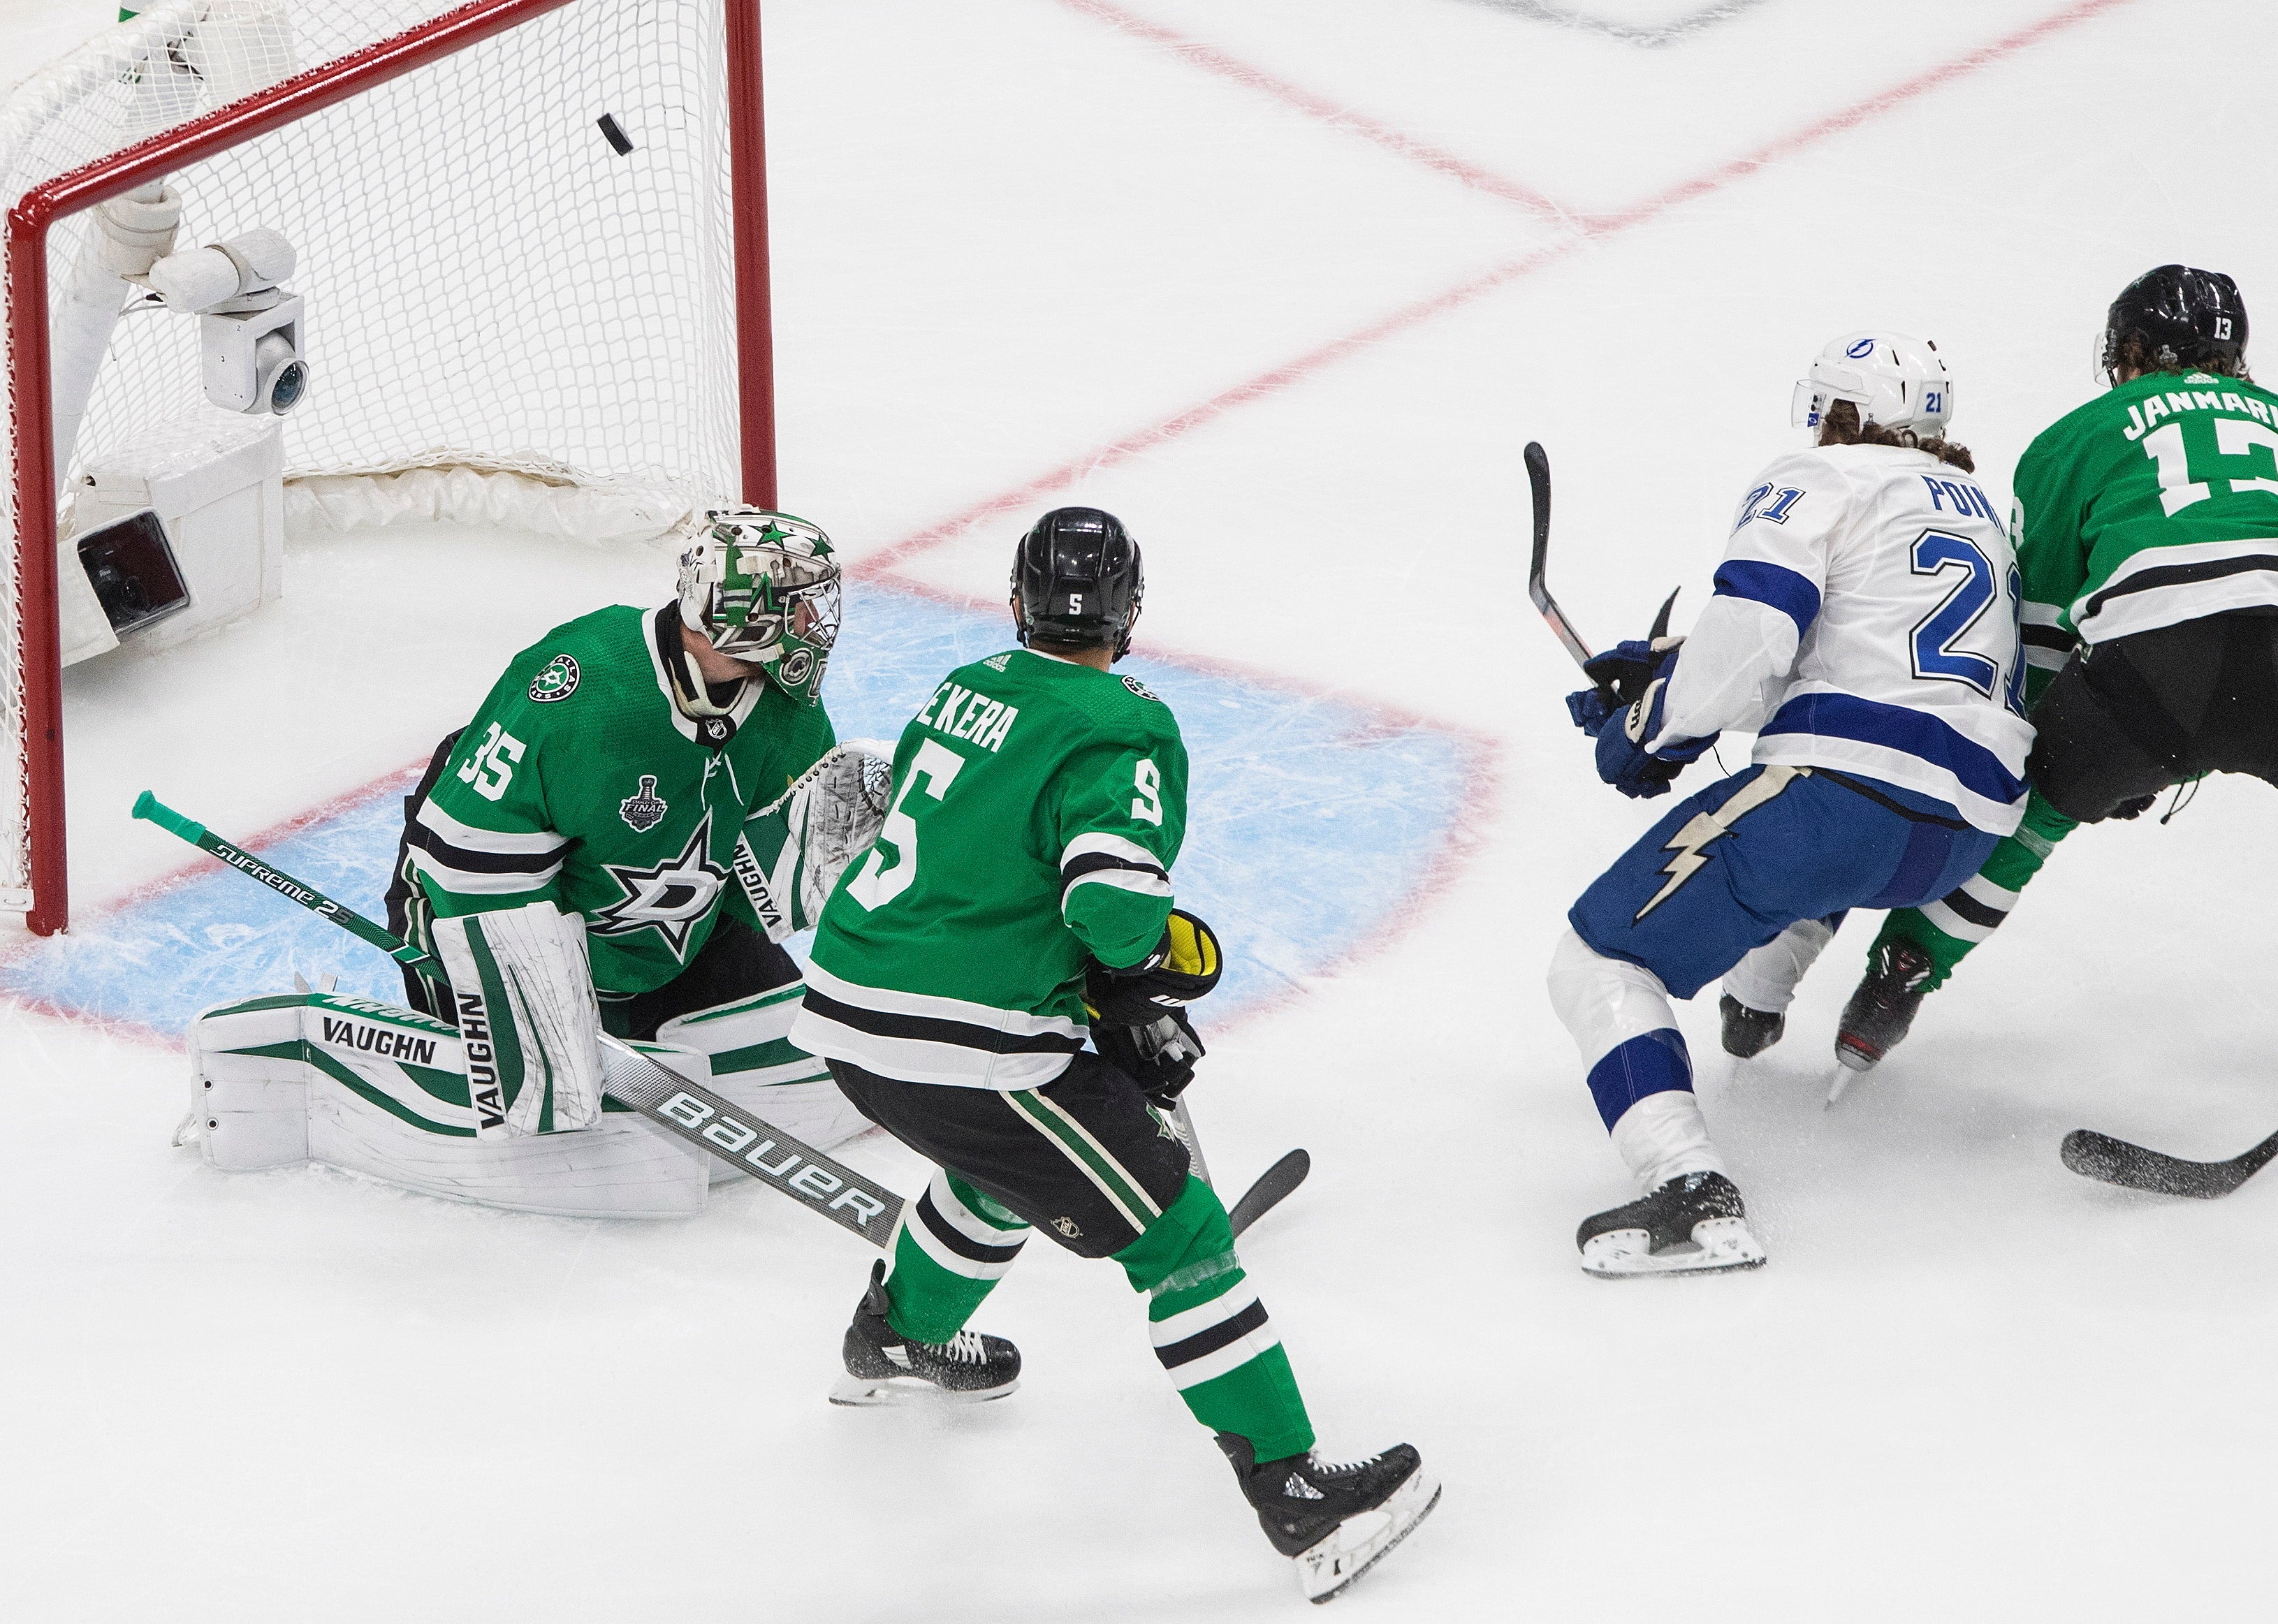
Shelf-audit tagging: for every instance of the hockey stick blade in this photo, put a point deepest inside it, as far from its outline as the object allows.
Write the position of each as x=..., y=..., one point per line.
x=1272, y=1187
x=1661, y=620
x=748, y=1143
x=1538, y=586
x=2132, y=1167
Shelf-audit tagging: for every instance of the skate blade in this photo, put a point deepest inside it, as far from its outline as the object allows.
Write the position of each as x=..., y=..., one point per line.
x=1856, y=1059
x=909, y=1391
x=1360, y=1542
x=1719, y=1245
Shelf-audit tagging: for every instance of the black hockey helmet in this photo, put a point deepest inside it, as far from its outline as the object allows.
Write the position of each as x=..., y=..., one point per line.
x=2185, y=318
x=1076, y=581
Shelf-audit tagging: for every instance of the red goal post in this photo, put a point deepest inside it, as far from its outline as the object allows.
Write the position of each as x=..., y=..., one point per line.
x=632, y=349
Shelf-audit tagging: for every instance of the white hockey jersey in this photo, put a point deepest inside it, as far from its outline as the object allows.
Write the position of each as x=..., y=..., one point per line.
x=1866, y=620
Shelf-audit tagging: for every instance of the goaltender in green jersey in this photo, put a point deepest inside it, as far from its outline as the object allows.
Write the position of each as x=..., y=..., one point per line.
x=1000, y=984
x=644, y=805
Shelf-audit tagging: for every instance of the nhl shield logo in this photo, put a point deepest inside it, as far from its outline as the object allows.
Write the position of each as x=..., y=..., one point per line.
x=1067, y=1227
x=557, y=682
x=644, y=809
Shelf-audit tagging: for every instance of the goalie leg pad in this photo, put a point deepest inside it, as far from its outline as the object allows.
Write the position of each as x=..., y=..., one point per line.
x=755, y=1066
x=382, y=1091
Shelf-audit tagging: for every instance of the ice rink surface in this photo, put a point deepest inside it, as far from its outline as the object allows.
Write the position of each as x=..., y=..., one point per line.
x=1286, y=284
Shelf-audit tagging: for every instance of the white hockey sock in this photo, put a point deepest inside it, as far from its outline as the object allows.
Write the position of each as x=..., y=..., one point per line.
x=1664, y=1136
x=1765, y=979
x=1640, y=1072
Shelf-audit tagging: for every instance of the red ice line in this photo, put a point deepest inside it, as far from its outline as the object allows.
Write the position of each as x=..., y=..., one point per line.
x=1313, y=105
x=884, y=565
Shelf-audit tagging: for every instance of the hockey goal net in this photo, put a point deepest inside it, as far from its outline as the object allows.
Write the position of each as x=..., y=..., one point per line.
x=530, y=239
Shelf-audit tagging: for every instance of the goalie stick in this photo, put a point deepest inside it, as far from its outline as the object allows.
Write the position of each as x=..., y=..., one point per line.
x=746, y=1142
x=2132, y=1167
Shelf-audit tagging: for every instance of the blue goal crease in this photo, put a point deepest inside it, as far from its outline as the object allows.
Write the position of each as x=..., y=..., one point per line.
x=1309, y=821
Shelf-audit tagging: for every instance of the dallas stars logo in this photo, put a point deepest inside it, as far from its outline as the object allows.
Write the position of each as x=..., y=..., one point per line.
x=671, y=898
x=557, y=682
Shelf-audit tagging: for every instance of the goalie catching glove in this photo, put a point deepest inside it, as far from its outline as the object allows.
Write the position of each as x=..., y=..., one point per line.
x=1138, y=1014
x=795, y=848
x=522, y=995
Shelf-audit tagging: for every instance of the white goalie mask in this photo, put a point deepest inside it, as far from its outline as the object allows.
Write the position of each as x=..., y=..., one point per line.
x=763, y=587
x=1896, y=381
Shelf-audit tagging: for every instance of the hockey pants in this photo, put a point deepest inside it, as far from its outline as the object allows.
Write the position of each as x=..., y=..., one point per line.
x=1086, y=1159
x=2119, y=723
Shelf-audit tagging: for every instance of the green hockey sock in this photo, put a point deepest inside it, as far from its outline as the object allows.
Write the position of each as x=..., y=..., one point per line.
x=1947, y=930
x=1210, y=1330
x=955, y=1244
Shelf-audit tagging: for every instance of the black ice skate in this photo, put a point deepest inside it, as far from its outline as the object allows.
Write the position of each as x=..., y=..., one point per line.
x=1337, y=1521
x=885, y=1367
x=1749, y=1033
x=1884, y=1007
x=1695, y=1223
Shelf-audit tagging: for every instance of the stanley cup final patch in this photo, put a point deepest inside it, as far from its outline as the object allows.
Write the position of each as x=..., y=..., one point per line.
x=558, y=681
x=644, y=809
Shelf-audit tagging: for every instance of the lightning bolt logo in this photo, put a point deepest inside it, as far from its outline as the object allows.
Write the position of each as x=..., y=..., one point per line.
x=1688, y=852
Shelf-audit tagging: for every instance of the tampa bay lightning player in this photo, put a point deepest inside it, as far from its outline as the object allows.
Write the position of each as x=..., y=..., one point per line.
x=1865, y=626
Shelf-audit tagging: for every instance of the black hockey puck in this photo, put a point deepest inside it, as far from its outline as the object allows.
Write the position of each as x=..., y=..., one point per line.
x=615, y=133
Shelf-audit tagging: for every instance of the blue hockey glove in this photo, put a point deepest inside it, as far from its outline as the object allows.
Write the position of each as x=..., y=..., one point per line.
x=1622, y=673
x=1623, y=759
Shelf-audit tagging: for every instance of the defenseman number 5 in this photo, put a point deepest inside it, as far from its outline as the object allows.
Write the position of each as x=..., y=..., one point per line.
x=876, y=884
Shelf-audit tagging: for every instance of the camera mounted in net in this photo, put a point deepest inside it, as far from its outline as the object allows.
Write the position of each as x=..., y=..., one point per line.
x=248, y=322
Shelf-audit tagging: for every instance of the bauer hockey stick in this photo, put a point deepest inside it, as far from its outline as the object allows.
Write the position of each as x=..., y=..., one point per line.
x=2132, y=1167
x=746, y=1142
x=1538, y=583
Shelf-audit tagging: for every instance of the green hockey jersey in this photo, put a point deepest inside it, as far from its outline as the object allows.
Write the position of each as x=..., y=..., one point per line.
x=1038, y=808
x=2155, y=503
x=580, y=781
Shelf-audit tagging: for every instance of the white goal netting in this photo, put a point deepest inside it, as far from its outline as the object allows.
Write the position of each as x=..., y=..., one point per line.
x=490, y=284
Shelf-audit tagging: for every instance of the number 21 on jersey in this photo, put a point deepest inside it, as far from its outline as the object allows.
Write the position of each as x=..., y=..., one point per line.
x=1944, y=638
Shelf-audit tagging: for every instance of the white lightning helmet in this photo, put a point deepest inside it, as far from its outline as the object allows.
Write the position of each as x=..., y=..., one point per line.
x=1899, y=382
x=763, y=587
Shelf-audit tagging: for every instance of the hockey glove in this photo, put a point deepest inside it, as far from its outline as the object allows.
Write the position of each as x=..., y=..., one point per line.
x=1159, y=1058
x=1625, y=762
x=1183, y=968
x=794, y=849
x=1139, y=1022
x=1622, y=673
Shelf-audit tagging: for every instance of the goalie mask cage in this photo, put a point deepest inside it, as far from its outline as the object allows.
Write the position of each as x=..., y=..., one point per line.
x=490, y=282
